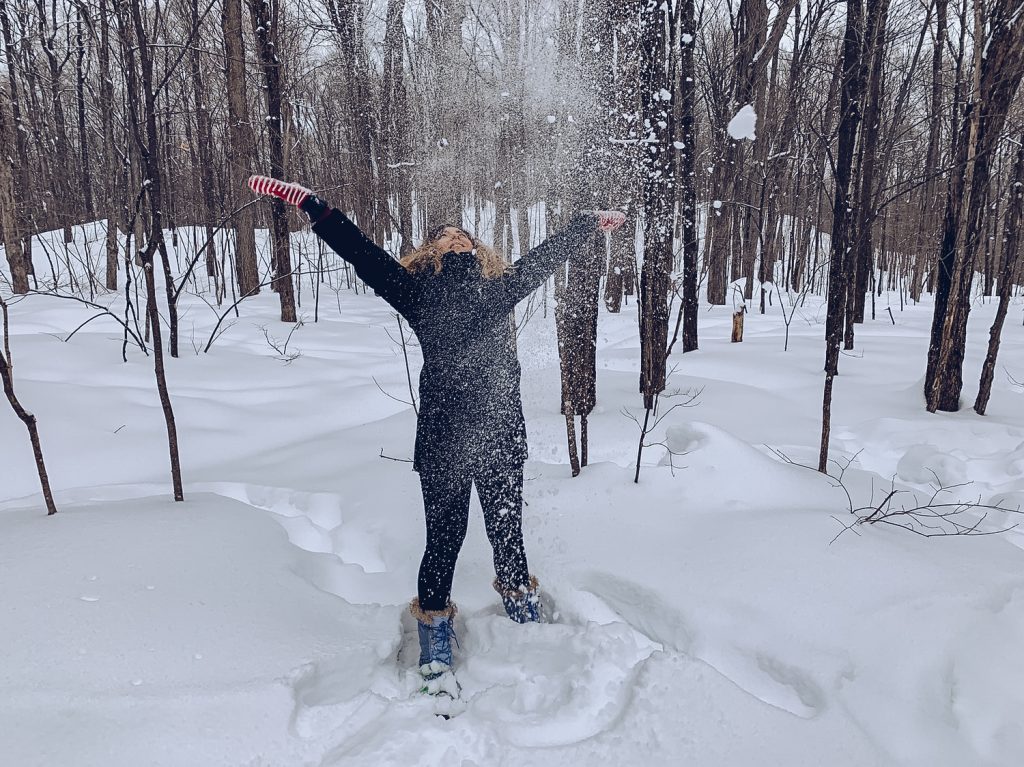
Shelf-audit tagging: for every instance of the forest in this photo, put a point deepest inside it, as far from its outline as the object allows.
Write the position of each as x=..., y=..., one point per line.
x=821, y=260
x=888, y=153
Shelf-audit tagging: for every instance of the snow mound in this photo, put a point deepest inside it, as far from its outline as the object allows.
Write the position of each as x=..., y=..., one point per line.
x=927, y=464
x=181, y=624
x=924, y=464
x=717, y=457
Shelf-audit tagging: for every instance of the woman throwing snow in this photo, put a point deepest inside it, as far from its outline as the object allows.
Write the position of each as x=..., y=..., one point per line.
x=458, y=296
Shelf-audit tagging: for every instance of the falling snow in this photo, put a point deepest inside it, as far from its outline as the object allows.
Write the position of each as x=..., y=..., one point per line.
x=743, y=124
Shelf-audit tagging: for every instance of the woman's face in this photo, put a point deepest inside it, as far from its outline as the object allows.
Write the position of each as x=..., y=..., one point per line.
x=453, y=238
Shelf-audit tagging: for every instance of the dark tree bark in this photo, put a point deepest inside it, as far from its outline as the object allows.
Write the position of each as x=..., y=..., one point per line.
x=33, y=432
x=621, y=267
x=22, y=173
x=724, y=242
x=135, y=40
x=510, y=155
x=659, y=24
x=61, y=180
x=927, y=231
x=686, y=80
x=862, y=252
x=395, y=125
x=347, y=18
x=110, y=207
x=8, y=203
x=576, y=327
x=83, y=136
x=849, y=121
x=1011, y=258
x=619, y=80
x=204, y=141
x=444, y=31
x=265, y=21
x=997, y=75
x=241, y=148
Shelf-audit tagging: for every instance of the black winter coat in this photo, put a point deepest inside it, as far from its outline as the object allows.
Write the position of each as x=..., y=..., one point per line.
x=471, y=413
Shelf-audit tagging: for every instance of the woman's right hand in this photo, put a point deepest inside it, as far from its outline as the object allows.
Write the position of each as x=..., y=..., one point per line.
x=293, y=194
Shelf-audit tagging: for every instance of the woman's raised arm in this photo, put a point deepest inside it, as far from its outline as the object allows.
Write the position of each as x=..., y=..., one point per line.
x=374, y=266
x=529, y=273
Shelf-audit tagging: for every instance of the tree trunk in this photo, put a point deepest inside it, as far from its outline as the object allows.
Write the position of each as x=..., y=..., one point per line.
x=737, y=326
x=83, y=136
x=241, y=149
x=687, y=79
x=997, y=74
x=33, y=432
x=444, y=30
x=110, y=208
x=659, y=25
x=873, y=58
x=19, y=169
x=204, y=141
x=395, y=125
x=8, y=203
x=849, y=121
x=576, y=328
x=1011, y=257
x=146, y=143
x=265, y=21
x=347, y=18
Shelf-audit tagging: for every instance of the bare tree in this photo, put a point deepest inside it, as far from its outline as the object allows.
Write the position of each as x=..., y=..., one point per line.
x=266, y=20
x=997, y=70
x=204, y=141
x=658, y=28
x=849, y=122
x=21, y=173
x=134, y=39
x=33, y=431
x=860, y=260
x=576, y=323
x=395, y=125
x=8, y=203
x=687, y=172
x=444, y=30
x=1011, y=257
x=241, y=147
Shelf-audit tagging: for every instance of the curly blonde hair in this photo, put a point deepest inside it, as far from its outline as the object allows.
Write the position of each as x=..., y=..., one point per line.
x=429, y=255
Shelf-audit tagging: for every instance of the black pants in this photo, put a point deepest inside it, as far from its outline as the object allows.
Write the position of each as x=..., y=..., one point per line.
x=446, y=507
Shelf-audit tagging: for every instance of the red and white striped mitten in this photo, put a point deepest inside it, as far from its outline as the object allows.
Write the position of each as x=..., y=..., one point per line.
x=610, y=220
x=293, y=194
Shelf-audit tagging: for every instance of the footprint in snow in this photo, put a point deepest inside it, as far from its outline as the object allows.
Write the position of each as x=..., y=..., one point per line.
x=533, y=685
x=543, y=684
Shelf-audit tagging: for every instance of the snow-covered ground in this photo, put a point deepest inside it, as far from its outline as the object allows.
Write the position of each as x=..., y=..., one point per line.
x=708, y=615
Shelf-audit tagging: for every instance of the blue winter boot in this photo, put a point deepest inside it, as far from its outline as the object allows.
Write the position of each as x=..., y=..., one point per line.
x=522, y=604
x=436, y=629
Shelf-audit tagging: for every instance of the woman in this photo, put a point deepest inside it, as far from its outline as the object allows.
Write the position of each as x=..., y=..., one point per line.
x=459, y=296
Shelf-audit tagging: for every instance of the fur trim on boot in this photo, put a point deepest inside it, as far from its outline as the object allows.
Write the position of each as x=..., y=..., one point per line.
x=522, y=605
x=427, y=616
x=533, y=585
